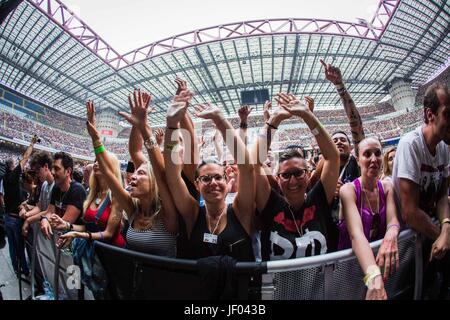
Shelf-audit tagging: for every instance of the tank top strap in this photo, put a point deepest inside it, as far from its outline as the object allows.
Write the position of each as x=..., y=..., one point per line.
x=357, y=186
x=382, y=195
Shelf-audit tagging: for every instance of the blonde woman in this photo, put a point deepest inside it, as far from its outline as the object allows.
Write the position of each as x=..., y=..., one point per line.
x=388, y=163
x=148, y=204
x=102, y=215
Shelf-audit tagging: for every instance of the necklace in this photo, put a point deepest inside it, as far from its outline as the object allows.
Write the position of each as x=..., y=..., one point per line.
x=372, y=212
x=99, y=197
x=295, y=222
x=217, y=223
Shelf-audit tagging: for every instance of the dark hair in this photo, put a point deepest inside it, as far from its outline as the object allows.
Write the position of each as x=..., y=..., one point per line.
x=342, y=132
x=78, y=175
x=288, y=155
x=206, y=161
x=297, y=147
x=431, y=99
x=41, y=159
x=66, y=160
x=28, y=177
x=130, y=167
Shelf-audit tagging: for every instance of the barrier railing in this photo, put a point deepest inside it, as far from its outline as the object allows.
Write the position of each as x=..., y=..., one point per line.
x=136, y=275
x=338, y=275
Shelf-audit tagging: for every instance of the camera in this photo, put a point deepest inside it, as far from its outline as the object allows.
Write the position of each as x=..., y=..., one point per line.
x=38, y=140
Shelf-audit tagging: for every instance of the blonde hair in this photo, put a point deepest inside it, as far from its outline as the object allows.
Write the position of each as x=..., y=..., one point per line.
x=93, y=183
x=155, y=202
x=386, y=170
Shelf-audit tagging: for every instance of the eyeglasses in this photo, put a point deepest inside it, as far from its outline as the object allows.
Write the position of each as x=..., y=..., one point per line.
x=206, y=179
x=298, y=174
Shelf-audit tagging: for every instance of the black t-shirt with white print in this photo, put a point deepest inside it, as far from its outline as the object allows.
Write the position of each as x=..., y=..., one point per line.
x=74, y=196
x=316, y=234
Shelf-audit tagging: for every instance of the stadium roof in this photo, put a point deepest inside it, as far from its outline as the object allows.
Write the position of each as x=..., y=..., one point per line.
x=49, y=54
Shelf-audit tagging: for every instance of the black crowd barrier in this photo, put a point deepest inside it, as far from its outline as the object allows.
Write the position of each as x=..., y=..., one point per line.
x=135, y=275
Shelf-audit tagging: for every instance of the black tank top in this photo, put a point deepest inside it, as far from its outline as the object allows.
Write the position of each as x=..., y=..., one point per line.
x=232, y=241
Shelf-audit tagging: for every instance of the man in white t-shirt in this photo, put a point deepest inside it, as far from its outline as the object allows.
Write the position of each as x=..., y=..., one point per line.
x=420, y=174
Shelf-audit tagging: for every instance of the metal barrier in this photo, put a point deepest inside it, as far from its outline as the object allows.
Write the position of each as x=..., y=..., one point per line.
x=136, y=275
x=338, y=275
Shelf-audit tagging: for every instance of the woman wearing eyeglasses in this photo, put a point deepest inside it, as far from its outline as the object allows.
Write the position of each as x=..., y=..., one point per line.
x=296, y=224
x=216, y=228
x=370, y=214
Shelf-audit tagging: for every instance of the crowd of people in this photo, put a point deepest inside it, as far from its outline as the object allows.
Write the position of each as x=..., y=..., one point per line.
x=189, y=197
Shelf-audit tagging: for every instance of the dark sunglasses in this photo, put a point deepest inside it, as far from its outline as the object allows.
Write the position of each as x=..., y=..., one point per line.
x=298, y=174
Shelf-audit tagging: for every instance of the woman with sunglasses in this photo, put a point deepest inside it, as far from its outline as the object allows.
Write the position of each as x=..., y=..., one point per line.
x=294, y=223
x=216, y=228
x=370, y=214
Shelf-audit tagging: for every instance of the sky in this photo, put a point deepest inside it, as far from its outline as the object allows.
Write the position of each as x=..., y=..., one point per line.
x=129, y=24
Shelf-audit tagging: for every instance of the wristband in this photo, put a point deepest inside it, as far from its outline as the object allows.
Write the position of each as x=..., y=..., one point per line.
x=99, y=150
x=243, y=125
x=393, y=225
x=315, y=131
x=374, y=272
x=339, y=86
x=173, y=128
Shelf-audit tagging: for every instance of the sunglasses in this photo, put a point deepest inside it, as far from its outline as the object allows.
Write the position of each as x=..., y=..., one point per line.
x=206, y=179
x=298, y=174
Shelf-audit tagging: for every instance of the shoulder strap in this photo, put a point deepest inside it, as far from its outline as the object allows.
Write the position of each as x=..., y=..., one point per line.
x=103, y=207
x=381, y=194
x=357, y=186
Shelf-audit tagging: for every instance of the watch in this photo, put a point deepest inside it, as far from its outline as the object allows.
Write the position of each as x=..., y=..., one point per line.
x=150, y=143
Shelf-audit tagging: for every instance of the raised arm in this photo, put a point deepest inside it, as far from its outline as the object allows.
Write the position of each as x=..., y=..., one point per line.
x=330, y=172
x=28, y=151
x=105, y=164
x=187, y=206
x=360, y=245
x=245, y=199
x=138, y=119
x=333, y=74
x=243, y=113
x=261, y=147
x=191, y=151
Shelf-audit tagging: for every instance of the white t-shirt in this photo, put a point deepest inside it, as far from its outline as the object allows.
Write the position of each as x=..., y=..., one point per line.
x=413, y=161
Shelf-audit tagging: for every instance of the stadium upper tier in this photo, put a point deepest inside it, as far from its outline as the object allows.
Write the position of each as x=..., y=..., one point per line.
x=49, y=54
x=16, y=128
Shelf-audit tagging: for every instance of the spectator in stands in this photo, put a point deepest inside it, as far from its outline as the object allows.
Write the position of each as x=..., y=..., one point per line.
x=388, y=163
x=216, y=228
x=369, y=214
x=67, y=196
x=14, y=195
x=296, y=224
x=148, y=205
x=420, y=178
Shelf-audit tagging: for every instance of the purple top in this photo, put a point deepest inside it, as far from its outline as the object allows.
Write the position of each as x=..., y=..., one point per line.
x=374, y=225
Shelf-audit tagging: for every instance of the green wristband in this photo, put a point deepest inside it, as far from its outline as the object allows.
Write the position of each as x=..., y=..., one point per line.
x=99, y=150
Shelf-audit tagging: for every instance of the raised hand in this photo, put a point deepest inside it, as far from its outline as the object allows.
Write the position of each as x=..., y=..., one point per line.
x=159, y=134
x=181, y=85
x=208, y=111
x=283, y=100
x=295, y=107
x=266, y=110
x=138, y=102
x=178, y=108
x=243, y=113
x=333, y=74
x=310, y=103
x=90, y=123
